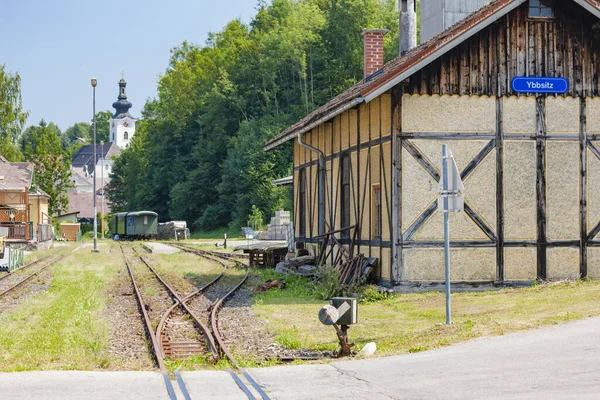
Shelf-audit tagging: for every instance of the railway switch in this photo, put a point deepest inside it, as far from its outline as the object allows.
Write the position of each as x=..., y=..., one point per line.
x=341, y=312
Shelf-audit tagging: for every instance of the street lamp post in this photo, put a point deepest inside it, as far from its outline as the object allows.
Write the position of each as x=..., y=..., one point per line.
x=94, y=83
x=102, y=185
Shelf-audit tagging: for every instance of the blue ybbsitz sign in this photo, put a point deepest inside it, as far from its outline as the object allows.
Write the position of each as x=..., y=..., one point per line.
x=537, y=84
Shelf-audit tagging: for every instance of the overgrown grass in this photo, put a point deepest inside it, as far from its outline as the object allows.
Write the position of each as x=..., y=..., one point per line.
x=412, y=323
x=61, y=328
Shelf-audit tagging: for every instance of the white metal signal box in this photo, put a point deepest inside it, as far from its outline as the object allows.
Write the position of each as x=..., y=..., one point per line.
x=347, y=308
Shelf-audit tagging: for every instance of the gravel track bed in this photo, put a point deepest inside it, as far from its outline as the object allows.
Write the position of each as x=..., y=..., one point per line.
x=19, y=275
x=128, y=346
x=39, y=284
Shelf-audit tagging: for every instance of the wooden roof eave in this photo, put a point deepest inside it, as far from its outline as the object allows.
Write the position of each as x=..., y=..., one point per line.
x=451, y=43
x=443, y=46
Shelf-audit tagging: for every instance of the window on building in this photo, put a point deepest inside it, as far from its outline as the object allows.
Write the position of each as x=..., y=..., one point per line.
x=106, y=167
x=145, y=220
x=377, y=212
x=302, y=202
x=126, y=136
x=345, y=195
x=541, y=8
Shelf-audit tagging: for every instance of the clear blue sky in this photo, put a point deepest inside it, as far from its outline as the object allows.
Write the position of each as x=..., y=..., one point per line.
x=58, y=46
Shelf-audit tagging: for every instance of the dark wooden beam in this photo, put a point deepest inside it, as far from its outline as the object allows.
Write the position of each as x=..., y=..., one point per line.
x=540, y=111
x=487, y=149
x=410, y=232
x=499, y=190
x=583, y=188
x=420, y=158
x=479, y=222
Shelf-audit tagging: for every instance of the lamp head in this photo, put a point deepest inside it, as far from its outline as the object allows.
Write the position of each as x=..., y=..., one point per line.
x=94, y=82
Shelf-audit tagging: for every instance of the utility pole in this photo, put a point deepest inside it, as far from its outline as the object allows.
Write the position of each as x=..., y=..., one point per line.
x=94, y=83
x=102, y=184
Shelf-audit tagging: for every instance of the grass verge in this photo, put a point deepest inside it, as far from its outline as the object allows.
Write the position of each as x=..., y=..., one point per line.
x=411, y=323
x=62, y=328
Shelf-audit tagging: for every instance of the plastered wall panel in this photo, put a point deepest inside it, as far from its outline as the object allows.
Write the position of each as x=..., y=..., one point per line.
x=353, y=128
x=364, y=122
x=519, y=115
x=427, y=265
x=337, y=145
x=296, y=153
x=593, y=115
x=520, y=263
x=468, y=114
x=461, y=228
x=463, y=151
x=328, y=128
x=354, y=190
x=563, y=263
x=386, y=191
x=385, y=262
x=345, y=130
x=375, y=118
x=337, y=216
x=593, y=189
x=375, y=165
x=419, y=189
x=314, y=202
x=562, y=190
x=562, y=115
x=386, y=114
x=480, y=189
x=322, y=138
x=520, y=213
x=329, y=195
x=296, y=203
x=365, y=202
x=593, y=266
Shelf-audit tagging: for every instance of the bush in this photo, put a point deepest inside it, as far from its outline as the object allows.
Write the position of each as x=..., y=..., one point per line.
x=215, y=216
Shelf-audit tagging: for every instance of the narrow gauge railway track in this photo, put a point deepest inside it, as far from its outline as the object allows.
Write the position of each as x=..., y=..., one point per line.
x=15, y=279
x=216, y=307
x=169, y=300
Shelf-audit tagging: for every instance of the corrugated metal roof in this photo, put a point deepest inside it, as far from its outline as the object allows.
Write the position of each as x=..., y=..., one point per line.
x=403, y=67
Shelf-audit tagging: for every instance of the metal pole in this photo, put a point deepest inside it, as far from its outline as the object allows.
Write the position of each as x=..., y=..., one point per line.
x=95, y=208
x=102, y=187
x=446, y=229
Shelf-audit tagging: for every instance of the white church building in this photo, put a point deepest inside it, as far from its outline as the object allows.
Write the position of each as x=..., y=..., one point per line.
x=122, y=124
x=84, y=168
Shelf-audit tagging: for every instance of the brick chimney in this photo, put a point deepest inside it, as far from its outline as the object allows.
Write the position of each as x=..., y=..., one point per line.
x=373, y=50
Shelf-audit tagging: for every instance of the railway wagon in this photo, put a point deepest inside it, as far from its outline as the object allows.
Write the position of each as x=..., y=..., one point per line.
x=141, y=224
x=119, y=223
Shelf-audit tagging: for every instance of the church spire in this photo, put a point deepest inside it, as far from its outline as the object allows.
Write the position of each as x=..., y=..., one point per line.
x=122, y=105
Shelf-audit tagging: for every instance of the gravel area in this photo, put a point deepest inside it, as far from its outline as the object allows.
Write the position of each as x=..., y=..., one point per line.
x=36, y=285
x=128, y=346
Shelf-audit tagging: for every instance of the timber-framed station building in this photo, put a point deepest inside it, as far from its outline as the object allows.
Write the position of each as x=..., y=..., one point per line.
x=530, y=162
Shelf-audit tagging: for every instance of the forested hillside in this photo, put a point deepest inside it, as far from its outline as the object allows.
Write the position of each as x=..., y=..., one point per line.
x=197, y=153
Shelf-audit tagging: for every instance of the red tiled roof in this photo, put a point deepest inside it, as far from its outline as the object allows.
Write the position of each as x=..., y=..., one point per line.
x=426, y=52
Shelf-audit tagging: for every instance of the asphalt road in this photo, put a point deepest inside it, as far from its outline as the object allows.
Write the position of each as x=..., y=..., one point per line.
x=559, y=362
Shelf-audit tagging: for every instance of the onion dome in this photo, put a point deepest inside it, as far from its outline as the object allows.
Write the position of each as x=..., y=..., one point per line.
x=122, y=105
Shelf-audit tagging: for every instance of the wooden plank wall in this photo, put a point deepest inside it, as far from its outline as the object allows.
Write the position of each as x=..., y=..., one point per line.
x=364, y=135
x=516, y=45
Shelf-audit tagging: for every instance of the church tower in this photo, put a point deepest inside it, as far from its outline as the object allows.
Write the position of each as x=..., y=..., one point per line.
x=122, y=124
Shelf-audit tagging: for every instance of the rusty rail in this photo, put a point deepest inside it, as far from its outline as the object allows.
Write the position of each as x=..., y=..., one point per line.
x=21, y=282
x=23, y=268
x=215, y=309
x=157, y=354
